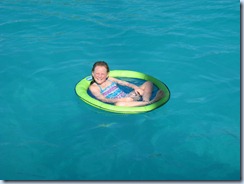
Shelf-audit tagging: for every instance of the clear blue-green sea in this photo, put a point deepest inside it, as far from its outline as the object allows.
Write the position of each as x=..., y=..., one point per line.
x=48, y=133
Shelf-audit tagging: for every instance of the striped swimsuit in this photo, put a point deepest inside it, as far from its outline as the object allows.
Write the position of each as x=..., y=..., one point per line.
x=112, y=91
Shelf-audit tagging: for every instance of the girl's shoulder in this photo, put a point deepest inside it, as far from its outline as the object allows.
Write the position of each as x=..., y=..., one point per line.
x=113, y=79
x=93, y=86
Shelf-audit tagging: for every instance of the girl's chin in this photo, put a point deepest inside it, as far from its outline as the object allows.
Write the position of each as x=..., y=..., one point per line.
x=99, y=81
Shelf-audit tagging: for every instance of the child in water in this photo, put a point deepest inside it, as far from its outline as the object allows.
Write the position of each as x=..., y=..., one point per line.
x=105, y=88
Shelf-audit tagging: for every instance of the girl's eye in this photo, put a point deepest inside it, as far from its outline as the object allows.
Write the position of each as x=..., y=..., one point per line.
x=102, y=74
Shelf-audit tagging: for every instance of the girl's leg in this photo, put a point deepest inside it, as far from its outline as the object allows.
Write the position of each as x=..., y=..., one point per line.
x=147, y=88
x=158, y=96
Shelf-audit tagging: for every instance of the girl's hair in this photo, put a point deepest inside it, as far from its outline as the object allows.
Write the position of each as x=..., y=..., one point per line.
x=99, y=63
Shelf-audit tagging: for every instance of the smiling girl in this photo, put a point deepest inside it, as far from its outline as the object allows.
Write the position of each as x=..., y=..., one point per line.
x=105, y=89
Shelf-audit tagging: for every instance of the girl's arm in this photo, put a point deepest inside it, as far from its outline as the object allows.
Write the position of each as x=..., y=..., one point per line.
x=96, y=92
x=125, y=83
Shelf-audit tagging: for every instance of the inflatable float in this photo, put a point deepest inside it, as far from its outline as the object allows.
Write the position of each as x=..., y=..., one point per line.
x=82, y=88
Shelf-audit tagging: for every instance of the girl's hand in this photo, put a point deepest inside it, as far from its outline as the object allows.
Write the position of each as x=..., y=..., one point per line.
x=139, y=91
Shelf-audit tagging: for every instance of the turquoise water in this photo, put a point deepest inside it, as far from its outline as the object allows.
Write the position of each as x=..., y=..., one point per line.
x=48, y=133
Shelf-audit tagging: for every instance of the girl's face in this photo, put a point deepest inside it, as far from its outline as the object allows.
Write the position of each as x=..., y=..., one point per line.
x=100, y=74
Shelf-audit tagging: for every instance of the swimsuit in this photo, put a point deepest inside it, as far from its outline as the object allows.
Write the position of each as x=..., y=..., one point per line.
x=112, y=91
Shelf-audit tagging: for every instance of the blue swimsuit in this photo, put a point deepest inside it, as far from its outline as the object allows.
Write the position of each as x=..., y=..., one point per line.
x=112, y=91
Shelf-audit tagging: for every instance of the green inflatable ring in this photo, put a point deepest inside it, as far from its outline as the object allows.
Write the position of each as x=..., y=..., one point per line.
x=83, y=85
